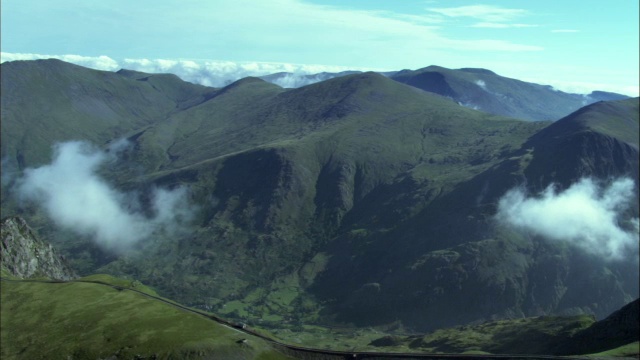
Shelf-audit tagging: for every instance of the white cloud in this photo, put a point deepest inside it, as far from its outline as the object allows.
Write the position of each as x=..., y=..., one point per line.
x=586, y=215
x=491, y=17
x=292, y=31
x=493, y=25
x=295, y=80
x=482, y=84
x=77, y=198
x=488, y=13
x=428, y=19
x=498, y=45
x=204, y=72
x=221, y=73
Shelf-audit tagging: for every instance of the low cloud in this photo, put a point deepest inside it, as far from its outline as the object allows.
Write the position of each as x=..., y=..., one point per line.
x=222, y=73
x=482, y=84
x=204, y=72
x=487, y=13
x=76, y=197
x=587, y=215
x=491, y=25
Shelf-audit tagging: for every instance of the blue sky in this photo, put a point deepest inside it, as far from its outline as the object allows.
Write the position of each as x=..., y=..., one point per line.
x=573, y=45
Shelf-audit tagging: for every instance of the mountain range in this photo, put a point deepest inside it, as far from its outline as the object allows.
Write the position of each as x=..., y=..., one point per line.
x=479, y=89
x=363, y=200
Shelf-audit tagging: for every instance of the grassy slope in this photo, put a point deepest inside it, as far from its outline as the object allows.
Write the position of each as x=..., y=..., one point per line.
x=48, y=101
x=89, y=321
x=366, y=113
x=539, y=335
x=522, y=336
x=629, y=350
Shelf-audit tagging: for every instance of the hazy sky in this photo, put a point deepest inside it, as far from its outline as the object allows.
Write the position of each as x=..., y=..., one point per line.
x=569, y=44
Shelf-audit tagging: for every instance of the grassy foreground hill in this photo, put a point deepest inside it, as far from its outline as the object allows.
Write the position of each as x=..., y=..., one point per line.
x=46, y=312
x=81, y=320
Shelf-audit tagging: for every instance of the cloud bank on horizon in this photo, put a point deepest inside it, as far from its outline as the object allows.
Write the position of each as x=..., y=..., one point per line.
x=543, y=42
x=76, y=197
x=221, y=73
x=587, y=215
x=204, y=72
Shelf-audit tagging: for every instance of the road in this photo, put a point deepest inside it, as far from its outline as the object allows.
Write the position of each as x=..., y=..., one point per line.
x=302, y=352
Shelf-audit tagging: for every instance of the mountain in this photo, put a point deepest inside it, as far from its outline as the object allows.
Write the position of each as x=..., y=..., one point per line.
x=59, y=101
x=479, y=89
x=293, y=80
x=356, y=201
x=599, y=140
x=487, y=91
x=451, y=254
x=605, y=96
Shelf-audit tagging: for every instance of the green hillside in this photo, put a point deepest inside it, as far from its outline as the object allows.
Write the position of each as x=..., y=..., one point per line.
x=45, y=101
x=90, y=321
x=559, y=335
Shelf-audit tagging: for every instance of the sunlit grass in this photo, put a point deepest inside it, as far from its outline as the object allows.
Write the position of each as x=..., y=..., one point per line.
x=89, y=321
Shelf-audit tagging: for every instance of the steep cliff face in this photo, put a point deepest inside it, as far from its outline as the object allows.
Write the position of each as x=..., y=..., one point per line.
x=24, y=255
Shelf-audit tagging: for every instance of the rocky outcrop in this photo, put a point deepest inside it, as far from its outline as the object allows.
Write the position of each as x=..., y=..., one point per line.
x=24, y=255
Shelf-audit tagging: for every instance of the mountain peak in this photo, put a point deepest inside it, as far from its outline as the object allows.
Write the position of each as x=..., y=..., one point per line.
x=247, y=80
x=478, y=71
x=618, y=119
